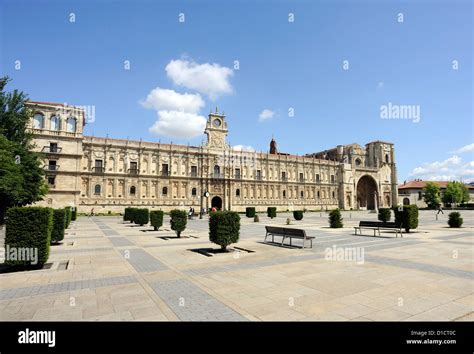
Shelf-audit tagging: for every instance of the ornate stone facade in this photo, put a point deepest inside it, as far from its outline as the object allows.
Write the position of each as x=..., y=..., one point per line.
x=108, y=174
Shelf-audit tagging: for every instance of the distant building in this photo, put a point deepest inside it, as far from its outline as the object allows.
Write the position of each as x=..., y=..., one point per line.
x=108, y=174
x=411, y=193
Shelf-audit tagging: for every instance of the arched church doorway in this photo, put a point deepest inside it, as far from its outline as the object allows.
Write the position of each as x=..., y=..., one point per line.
x=216, y=202
x=366, y=193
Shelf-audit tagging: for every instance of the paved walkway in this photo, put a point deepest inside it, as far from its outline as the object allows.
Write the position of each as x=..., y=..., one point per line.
x=119, y=271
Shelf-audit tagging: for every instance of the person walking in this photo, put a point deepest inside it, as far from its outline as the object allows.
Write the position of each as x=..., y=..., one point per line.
x=92, y=212
x=440, y=209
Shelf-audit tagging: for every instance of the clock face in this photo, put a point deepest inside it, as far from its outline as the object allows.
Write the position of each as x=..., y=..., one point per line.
x=206, y=194
x=217, y=123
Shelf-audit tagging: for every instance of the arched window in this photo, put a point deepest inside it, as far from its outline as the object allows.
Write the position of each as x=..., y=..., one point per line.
x=237, y=192
x=55, y=123
x=194, y=192
x=133, y=190
x=97, y=189
x=358, y=162
x=165, y=191
x=217, y=170
x=333, y=194
x=38, y=121
x=284, y=194
x=302, y=194
x=387, y=159
x=318, y=194
x=71, y=125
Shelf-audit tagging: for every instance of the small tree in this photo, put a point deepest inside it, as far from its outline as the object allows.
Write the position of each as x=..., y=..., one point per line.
x=179, y=220
x=335, y=219
x=407, y=216
x=298, y=214
x=455, y=219
x=250, y=212
x=384, y=214
x=431, y=195
x=141, y=216
x=224, y=228
x=59, y=225
x=156, y=219
x=272, y=212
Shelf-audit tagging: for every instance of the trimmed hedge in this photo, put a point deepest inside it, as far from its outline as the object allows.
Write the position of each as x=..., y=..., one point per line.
x=455, y=219
x=127, y=214
x=59, y=225
x=68, y=216
x=141, y=216
x=250, y=212
x=224, y=228
x=384, y=214
x=156, y=219
x=133, y=212
x=272, y=212
x=29, y=227
x=74, y=214
x=407, y=216
x=335, y=219
x=298, y=214
x=178, y=220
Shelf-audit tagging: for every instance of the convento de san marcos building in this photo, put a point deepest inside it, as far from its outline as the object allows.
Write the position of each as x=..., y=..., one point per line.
x=108, y=174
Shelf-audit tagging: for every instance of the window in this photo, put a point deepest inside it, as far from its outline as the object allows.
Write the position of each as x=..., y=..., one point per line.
x=284, y=194
x=237, y=192
x=387, y=159
x=53, y=147
x=71, y=125
x=318, y=194
x=164, y=169
x=302, y=194
x=51, y=180
x=420, y=195
x=97, y=189
x=55, y=123
x=318, y=178
x=194, y=171
x=38, y=121
x=217, y=171
x=194, y=192
x=358, y=162
x=52, y=165
x=283, y=176
x=133, y=190
x=332, y=179
x=258, y=175
x=333, y=194
x=301, y=177
x=165, y=191
x=98, y=166
x=134, y=167
x=237, y=173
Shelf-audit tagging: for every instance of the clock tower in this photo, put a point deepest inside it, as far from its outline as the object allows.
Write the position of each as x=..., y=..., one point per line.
x=216, y=130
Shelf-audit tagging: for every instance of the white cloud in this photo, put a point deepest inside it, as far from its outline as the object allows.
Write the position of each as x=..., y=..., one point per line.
x=209, y=79
x=170, y=100
x=265, y=115
x=178, y=124
x=467, y=148
x=244, y=148
x=450, y=169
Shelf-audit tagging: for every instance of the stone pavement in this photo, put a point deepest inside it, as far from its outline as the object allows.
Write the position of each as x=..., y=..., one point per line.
x=119, y=271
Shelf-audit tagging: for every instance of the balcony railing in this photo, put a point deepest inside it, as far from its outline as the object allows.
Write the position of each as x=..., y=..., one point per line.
x=238, y=176
x=217, y=175
x=98, y=169
x=51, y=167
x=258, y=178
x=166, y=173
x=284, y=178
x=194, y=174
x=51, y=150
x=133, y=171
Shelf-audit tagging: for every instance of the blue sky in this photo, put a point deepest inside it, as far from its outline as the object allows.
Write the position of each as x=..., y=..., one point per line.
x=282, y=65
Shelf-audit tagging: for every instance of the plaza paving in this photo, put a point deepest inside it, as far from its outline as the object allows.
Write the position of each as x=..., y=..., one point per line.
x=119, y=271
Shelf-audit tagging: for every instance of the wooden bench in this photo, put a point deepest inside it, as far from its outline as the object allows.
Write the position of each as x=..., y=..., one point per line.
x=286, y=232
x=377, y=226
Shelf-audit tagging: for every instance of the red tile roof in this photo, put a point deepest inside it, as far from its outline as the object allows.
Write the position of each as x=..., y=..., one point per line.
x=421, y=184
